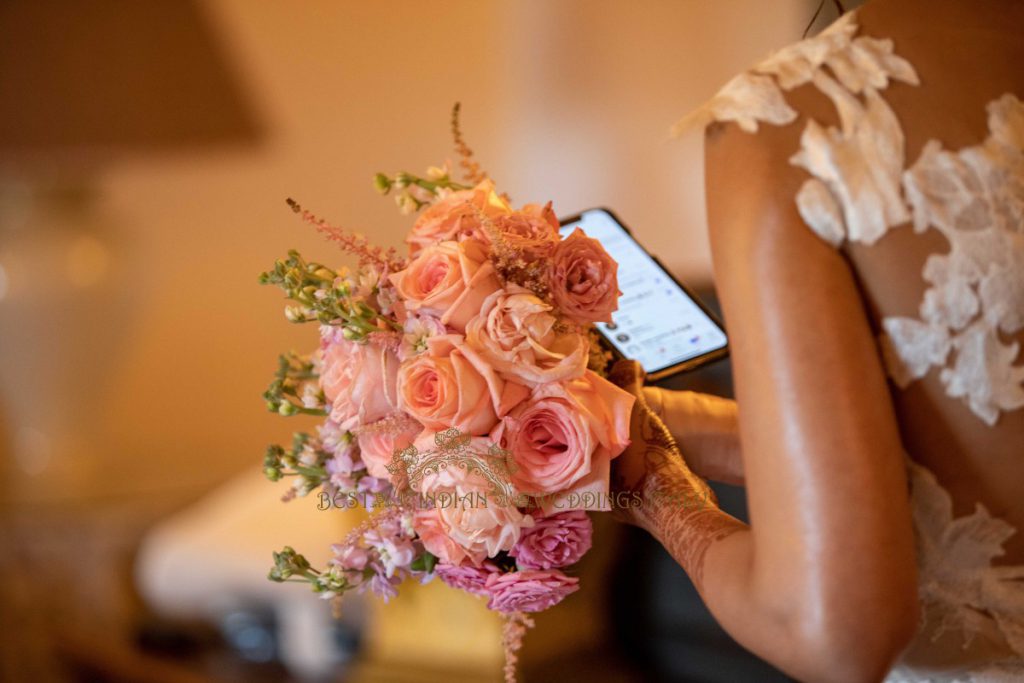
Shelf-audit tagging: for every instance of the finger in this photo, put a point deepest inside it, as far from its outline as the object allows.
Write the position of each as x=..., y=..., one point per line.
x=627, y=374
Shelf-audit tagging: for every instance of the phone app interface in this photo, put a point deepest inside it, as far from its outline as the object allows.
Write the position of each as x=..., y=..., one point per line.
x=657, y=323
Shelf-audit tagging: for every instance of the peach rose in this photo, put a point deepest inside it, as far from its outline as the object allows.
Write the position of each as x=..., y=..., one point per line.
x=461, y=519
x=449, y=280
x=545, y=212
x=583, y=279
x=452, y=386
x=529, y=234
x=378, y=447
x=358, y=381
x=515, y=332
x=563, y=439
x=456, y=215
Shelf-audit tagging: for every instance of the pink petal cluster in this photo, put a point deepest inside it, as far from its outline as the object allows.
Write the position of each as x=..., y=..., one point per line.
x=554, y=541
x=358, y=381
x=378, y=557
x=531, y=590
x=584, y=279
x=467, y=577
x=565, y=436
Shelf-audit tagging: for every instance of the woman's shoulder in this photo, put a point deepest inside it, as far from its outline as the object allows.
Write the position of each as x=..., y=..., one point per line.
x=759, y=94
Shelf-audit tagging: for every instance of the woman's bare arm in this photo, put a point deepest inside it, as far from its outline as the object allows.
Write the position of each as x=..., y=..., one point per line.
x=823, y=584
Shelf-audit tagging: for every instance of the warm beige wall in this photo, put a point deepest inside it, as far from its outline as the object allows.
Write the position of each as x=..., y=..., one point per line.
x=569, y=100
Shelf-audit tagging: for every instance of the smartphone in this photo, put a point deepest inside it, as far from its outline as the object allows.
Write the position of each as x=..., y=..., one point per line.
x=660, y=323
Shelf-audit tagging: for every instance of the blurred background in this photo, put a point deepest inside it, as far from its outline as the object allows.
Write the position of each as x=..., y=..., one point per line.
x=146, y=149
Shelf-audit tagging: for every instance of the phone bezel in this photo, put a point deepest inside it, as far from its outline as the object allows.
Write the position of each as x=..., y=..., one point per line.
x=689, y=363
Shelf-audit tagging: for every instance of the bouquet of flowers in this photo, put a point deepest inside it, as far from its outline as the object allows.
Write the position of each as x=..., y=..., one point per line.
x=463, y=395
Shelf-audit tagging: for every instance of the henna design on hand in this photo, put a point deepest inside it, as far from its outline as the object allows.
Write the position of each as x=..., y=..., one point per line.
x=678, y=507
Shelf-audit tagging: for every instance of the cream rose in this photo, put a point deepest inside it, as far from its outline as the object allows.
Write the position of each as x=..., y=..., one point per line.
x=516, y=332
x=359, y=381
x=460, y=517
x=452, y=386
x=563, y=439
x=583, y=279
x=449, y=280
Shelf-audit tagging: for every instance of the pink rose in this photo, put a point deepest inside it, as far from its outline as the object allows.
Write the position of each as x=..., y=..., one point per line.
x=533, y=590
x=451, y=386
x=467, y=577
x=456, y=215
x=464, y=520
x=583, y=279
x=516, y=333
x=558, y=540
x=358, y=381
x=564, y=438
x=449, y=280
x=378, y=447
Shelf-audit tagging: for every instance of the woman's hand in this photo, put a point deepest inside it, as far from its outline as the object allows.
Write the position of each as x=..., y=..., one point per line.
x=651, y=469
x=666, y=498
x=706, y=428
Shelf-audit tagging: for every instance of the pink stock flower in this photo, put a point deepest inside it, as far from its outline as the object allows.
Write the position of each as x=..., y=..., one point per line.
x=449, y=280
x=451, y=386
x=583, y=279
x=532, y=590
x=554, y=541
x=358, y=381
x=467, y=577
x=416, y=330
x=457, y=214
x=462, y=522
x=516, y=333
x=565, y=436
x=351, y=557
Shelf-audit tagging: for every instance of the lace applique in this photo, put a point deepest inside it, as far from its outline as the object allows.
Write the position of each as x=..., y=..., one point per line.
x=955, y=558
x=975, y=198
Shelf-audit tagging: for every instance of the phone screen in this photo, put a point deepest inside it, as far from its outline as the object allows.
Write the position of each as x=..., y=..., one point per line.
x=658, y=323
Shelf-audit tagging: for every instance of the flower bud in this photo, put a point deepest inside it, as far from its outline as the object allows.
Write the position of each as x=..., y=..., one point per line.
x=382, y=183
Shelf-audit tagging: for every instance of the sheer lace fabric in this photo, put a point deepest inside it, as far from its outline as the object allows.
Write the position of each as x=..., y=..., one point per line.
x=859, y=188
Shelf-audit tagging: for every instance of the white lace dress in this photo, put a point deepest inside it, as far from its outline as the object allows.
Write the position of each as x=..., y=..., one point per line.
x=858, y=188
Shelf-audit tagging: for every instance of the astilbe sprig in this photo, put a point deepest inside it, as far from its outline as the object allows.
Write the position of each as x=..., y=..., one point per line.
x=514, y=628
x=354, y=243
x=471, y=169
x=295, y=389
x=511, y=264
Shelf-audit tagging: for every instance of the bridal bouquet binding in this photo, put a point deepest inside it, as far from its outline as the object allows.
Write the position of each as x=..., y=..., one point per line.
x=463, y=394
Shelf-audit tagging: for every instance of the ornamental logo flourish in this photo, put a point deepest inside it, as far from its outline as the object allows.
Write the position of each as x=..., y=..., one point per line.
x=452, y=448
